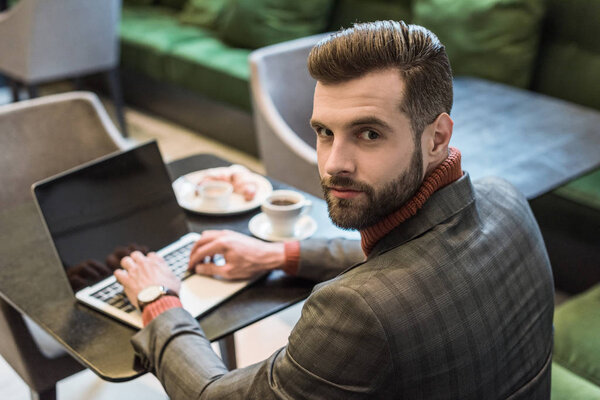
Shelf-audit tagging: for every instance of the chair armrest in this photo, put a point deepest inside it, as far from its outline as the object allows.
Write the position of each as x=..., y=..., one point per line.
x=15, y=25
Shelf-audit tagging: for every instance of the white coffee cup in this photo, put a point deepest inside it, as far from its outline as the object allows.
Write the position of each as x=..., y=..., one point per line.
x=215, y=195
x=283, y=208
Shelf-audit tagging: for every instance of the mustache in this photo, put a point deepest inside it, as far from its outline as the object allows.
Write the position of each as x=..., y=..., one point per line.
x=345, y=183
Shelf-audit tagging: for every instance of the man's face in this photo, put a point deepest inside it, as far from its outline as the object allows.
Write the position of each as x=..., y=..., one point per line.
x=368, y=161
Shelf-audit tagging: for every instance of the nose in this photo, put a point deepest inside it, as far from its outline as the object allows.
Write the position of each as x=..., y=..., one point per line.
x=339, y=159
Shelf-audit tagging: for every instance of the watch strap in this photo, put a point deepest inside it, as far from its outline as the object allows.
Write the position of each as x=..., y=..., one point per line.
x=165, y=292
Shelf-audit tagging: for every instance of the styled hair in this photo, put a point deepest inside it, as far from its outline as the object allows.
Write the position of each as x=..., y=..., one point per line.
x=415, y=51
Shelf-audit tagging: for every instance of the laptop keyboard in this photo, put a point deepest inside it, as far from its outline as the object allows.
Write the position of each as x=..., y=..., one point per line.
x=177, y=260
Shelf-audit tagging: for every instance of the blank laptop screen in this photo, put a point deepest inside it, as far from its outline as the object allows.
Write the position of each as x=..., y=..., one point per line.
x=125, y=199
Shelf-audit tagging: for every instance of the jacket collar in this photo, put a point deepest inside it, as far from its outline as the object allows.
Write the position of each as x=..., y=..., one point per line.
x=442, y=205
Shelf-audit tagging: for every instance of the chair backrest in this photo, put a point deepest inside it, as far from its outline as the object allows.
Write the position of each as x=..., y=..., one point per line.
x=44, y=136
x=60, y=38
x=282, y=95
x=40, y=138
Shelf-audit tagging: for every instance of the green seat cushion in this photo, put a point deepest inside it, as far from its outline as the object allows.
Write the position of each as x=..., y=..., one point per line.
x=569, y=56
x=577, y=334
x=210, y=67
x=568, y=386
x=257, y=23
x=585, y=190
x=492, y=39
x=148, y=33
x=347, y=12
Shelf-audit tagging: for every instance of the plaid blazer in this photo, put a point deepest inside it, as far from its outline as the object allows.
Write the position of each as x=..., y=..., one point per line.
x=456, y=303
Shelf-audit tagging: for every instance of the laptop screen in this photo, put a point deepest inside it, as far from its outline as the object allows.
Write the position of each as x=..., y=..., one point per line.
x=98, y=212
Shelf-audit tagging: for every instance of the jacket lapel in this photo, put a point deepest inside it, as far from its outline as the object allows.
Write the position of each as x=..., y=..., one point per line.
x=441, y=206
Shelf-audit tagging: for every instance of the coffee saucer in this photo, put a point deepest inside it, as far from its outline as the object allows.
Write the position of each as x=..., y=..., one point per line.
x=260, y=227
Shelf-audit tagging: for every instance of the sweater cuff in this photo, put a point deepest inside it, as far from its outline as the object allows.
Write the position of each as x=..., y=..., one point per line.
x=158, y=307
x=292, y=257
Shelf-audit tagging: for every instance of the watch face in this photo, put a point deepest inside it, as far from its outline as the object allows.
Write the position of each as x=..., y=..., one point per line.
x=150, y=293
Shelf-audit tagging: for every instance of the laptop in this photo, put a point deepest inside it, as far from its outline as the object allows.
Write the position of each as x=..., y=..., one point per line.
x=95, y=211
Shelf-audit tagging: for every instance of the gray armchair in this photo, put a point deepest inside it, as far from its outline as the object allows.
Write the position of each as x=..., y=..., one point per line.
x=40, y=138
x=43, y=41
x=282, y=96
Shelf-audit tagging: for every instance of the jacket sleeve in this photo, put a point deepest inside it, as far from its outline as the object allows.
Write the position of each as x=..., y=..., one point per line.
x=338, y=349
x=321, y=260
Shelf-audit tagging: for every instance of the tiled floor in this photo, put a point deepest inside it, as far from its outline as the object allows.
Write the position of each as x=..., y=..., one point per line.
x=253, y=343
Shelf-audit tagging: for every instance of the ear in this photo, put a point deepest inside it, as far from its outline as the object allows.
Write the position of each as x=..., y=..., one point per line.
x=435, y=140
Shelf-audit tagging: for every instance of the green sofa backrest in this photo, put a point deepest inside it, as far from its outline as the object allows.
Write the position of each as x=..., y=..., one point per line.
x=346, y=12
x=568, y=64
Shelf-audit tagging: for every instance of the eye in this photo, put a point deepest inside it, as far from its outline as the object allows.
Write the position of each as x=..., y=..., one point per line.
x=369, y=135
x=323, y=132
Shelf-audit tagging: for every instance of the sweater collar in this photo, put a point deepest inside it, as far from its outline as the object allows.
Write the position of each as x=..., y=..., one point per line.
x=447, y=172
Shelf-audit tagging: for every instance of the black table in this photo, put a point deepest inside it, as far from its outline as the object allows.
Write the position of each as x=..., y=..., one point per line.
x=536, y=142
x=32, y=281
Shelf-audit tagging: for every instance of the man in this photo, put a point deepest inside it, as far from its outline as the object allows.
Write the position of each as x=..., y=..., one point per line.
x=454, y=299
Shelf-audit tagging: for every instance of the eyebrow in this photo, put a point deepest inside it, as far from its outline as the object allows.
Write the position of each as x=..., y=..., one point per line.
x=373, y=121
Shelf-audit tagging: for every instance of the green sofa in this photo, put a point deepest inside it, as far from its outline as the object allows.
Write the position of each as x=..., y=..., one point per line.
x=576, y=359
x=193, y=74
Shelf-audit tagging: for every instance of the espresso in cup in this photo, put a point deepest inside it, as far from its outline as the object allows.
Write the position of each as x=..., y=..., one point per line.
x=282, y=202
x=283, y=208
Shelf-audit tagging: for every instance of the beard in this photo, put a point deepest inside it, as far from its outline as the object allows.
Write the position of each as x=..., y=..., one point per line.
x=365, y=211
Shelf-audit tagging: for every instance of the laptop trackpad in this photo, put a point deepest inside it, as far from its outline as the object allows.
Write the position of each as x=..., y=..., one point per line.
x=200, y=293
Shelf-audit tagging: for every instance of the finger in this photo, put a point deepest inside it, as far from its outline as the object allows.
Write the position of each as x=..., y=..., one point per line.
x=138, y=257
x=227, y=271
x=127, y=263
x=207, y=237
x=154, y=256
x=209, y=269
x=122, y=277
x=156, y=259
x=208, y=250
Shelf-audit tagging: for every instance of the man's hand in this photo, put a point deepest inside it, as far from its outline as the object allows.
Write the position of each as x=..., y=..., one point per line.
x=244, y=256
x=140, y=271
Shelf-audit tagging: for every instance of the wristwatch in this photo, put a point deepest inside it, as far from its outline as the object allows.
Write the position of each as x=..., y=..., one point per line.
x=152, y=293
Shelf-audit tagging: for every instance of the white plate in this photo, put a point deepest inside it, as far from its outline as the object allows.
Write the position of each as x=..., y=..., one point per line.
x=186, y=194
x=260, y=227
